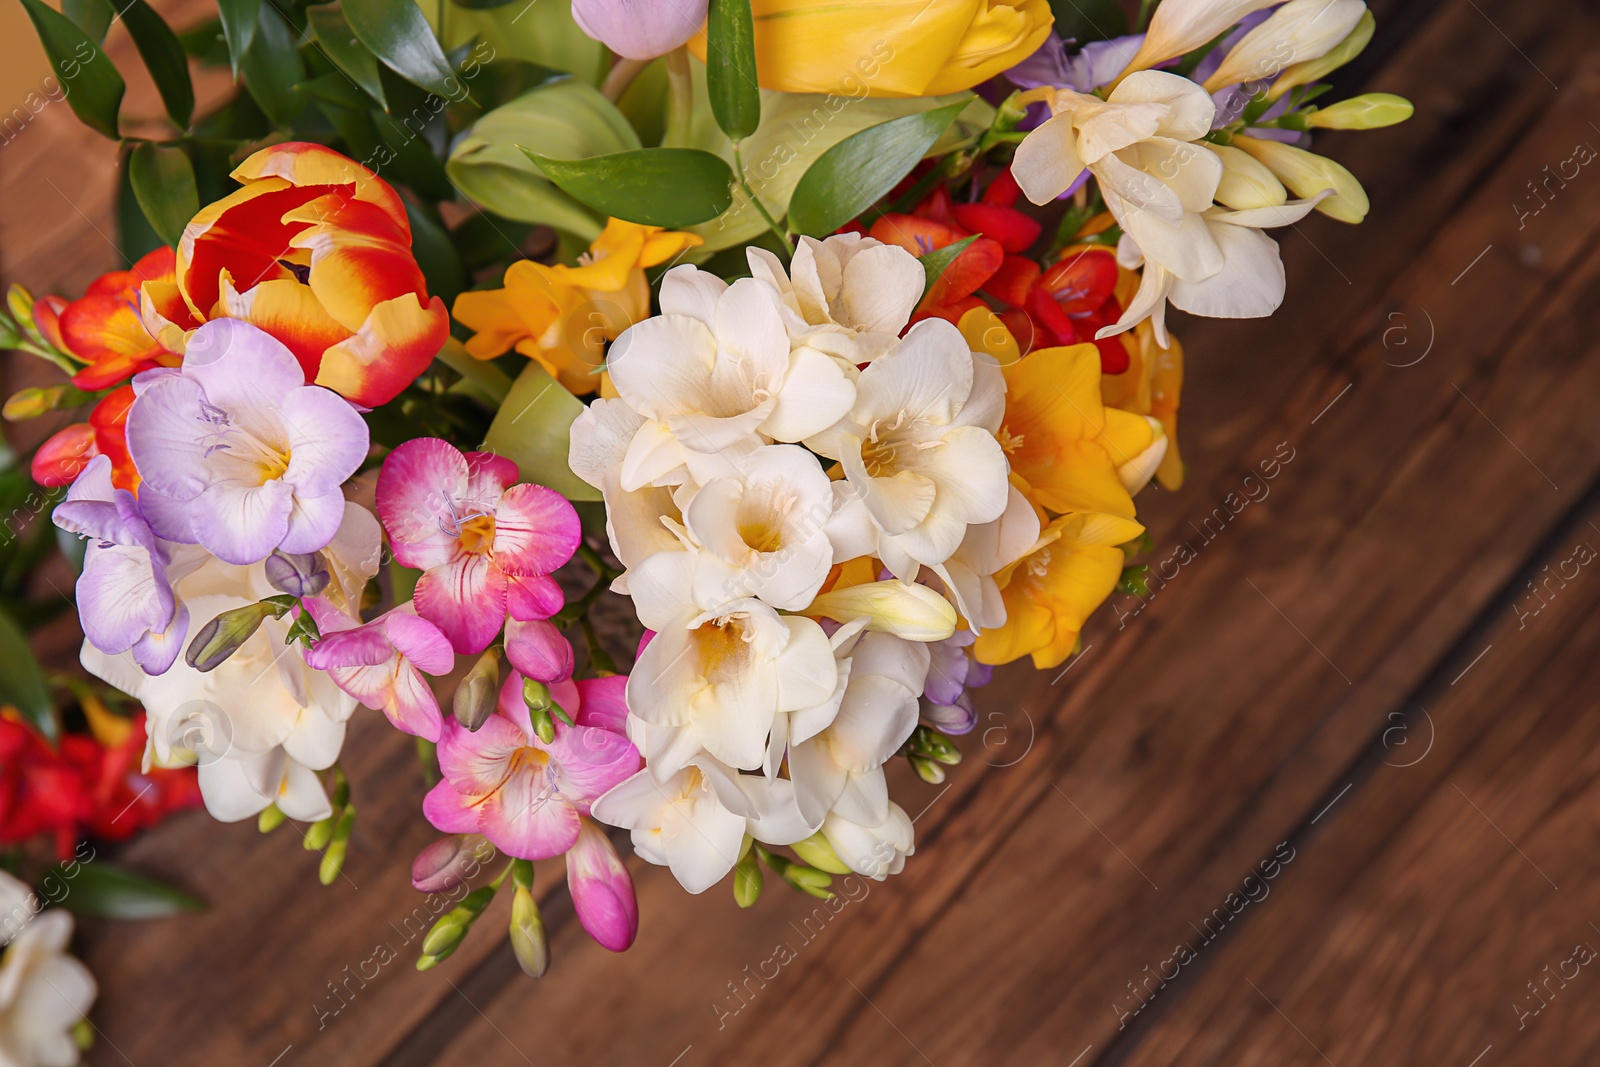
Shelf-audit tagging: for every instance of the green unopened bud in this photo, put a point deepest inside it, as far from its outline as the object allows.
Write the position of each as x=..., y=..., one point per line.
x=270, y=819
x=453, y=925
x=1369, y=111
x=816, y=851
x=478, y=692
x=540, y=703
x=333, y=857
x=224, y=635
x=931, y=744
x=747, y=880
x=927, y=770
x=31, y=403
x=10, y=336
x=83, y=1034
x=529, y=942
x=20, y=303
x=319, y=833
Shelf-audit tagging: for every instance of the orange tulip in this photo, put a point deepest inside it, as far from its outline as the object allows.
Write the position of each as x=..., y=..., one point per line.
x=315, y=250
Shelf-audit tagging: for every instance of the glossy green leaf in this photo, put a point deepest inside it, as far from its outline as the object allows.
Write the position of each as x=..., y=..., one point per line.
x=852, y=175
x=163, y=57
x=239, y=18
x=669, y=187
x=95, y=887
x=273, y=67
x=135, y=235
x=93, y=17
x=567, y=119
x=163, y=183
x=22, y=683
x=938, y=261
x=541, y=33
x=398, y=34
x=533, y=429
x=93, y=86
x=480, y=5
x=731, y=67
x=440, y=263
x=338, y=42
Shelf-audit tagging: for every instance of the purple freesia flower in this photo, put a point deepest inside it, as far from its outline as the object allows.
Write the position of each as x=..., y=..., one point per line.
x=1095, y=64
x=237, y=453
x=125, y=598
x=952, y=674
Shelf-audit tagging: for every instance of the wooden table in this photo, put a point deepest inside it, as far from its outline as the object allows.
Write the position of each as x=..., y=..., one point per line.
x=1328, y=797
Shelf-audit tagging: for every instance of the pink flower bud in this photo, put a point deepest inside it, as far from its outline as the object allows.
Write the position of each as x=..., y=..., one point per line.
x=602, y=889
x=639, y=29
x=450, y=862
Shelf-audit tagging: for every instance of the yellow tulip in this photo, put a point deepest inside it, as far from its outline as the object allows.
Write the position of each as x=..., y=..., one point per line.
x=562, y=316
x=890, y=47
x=1052, y=591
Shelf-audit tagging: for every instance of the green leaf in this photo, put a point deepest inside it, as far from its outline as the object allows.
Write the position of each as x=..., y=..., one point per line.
x=850, y=177
x=93, y=17
x=22, y=683
x=163, y=57
x=541, y=33
x=1089, y=20
x=272, y=67
x=533, y=430
x=481, y=5
x=135, y=236
x=731, y=67
x=568, y=119
x=163, y=183
x=338, y=42
x=94, y=88
x=669, y=187
x=239, y=18
x=398, y=34
x=938, y=261
x=94, y=887
x=440, y=263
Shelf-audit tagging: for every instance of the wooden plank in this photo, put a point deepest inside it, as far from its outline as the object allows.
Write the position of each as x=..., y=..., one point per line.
x=1427, y=910
x=1349, y=516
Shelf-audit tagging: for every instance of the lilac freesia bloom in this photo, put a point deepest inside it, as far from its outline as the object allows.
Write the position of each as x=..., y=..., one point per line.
x=125, y=598
x=237, y=453
x=381, y=663
x=640, y=29
x=1095, y=64
x=952, y=674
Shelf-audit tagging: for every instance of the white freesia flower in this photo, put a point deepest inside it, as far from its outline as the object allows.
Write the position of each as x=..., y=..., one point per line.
x=263, y=721
x=841, y=768
x=718, y=672
x=876, y=850
x=715, y=377
x=1299, y=31
x=1180, y=26
x=919, y=445
x=600, y=438
x=43, y=991
x=766, y=525
x=847, y=295
x=1246, y=182
x=968, y=575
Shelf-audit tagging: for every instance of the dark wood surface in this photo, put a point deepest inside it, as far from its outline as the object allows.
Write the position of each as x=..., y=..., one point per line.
x=1353, y=687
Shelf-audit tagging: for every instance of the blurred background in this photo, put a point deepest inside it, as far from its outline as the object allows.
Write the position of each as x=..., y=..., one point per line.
x=1324, y=793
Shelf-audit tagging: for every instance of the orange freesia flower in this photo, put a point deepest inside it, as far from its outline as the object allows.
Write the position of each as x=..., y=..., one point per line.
x=62, y=458
x=103, y=328
x=315, y=249
x=562, y=316
x=1052, y=591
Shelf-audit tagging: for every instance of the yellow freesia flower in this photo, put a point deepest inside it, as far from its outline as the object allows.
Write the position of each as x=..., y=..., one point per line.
x=891, y=47
x=562, y=316
x=1051, y=592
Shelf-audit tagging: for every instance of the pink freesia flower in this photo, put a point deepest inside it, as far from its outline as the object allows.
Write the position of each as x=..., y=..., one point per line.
x=639, y=29
x=602, y=889
x=476, y=536
x=524, y=795
x=381, y=663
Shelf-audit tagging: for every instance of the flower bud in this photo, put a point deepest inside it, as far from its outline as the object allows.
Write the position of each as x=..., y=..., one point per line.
x=447, y=933
x=296, y=574
x=602, y=888
x=639, y=30
x=747, y=880
x=1307, y=174
x=529, y=942
x=911, y=612
x=874, y=851
x=333, y=857
x=270, y=819
x=1369, y=111
x=536, y=695
x=931, y=744
x=927, y=769
x=1301, y=30
x=478, y=692
x=31, y=403
x=20, y=302
x=957, y=718
x=449, y=862
x=1246, y=182
x=816, y=851
x=319, y=833
x=224, y=635
x=1312, y=70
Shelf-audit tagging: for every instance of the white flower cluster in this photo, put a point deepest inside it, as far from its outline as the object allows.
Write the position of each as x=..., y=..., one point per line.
x=804, y=502
x=44, y=992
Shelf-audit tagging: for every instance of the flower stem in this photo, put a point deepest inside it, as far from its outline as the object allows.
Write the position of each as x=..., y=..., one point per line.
x=680, y=99
x=772, y=224
x=621, y=76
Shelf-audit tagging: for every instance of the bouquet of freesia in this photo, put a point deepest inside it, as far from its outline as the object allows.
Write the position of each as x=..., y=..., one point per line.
x=832, y=336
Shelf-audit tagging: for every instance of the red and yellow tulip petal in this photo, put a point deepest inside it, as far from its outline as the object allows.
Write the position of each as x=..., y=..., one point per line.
x=244, y=234
x=357, y=262
x=290, y=312
x=395, y=344
x=165, y=315
x=303, y=163
x=63, y=456
x=1015, y=231
x=160, y=265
